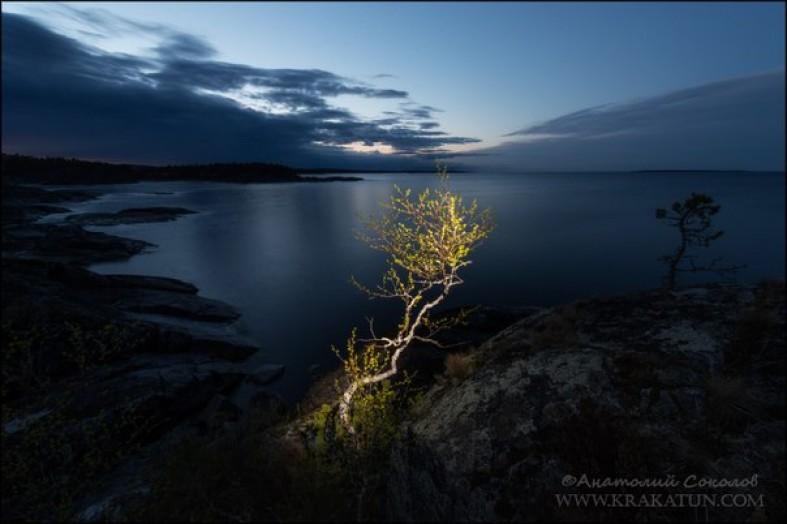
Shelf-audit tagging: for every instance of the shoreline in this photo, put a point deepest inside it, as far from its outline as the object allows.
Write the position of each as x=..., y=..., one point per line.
x=21, y=169
x=146, y=349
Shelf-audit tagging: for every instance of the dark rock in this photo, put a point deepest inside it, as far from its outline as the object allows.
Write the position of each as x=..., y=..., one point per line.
x=266, y=374
x=167, y=389
x=22, y=205
x=230, y=346
x=147, y=395
x=266, y=409
x=29, y=212
x=80, y=278
x=631, y=401
x=146, y=282
x=420, y=494
x=172, y=303
x=169, y=316
x=70, y=244
x=165, y=335
x=138, y=356
x=129, y=216
x=217, y=413
x=32, y=194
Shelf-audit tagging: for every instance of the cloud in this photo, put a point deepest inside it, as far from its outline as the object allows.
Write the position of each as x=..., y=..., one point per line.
x=178, y=103
x=185, y=46
x=731, y=124
x=102, y=24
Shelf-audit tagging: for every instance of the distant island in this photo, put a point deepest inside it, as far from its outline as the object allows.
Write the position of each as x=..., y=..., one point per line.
x=699, y=171
x=331, y=170
x=57, y=170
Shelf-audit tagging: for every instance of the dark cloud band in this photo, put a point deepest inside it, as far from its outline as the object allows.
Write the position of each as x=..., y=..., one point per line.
x=63, y=97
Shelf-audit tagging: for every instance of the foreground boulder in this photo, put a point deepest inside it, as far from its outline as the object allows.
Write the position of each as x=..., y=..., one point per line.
x=637, y=386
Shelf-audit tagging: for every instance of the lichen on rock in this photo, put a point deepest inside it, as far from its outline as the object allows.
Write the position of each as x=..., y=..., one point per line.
x=633, y=400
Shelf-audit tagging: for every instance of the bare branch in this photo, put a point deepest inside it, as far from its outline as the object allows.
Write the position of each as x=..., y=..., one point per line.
x=436, y=342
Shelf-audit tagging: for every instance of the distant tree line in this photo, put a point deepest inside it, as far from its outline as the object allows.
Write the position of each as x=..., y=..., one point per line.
x=57, y=170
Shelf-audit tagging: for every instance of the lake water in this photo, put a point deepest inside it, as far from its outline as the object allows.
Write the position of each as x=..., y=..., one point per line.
x=283, y=253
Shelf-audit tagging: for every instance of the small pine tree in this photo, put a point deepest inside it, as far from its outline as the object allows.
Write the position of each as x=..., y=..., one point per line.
x=692, y=218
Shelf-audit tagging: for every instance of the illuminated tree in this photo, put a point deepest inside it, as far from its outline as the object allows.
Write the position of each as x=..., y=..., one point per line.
x=692, y=218
x=428, y=240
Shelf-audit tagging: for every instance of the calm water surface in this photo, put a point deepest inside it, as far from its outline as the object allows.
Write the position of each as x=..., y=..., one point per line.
x=283, y=253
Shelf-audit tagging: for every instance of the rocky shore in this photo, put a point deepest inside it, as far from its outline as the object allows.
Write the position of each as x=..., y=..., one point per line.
x=146, y=356
x=129, y=216
x=683, y=386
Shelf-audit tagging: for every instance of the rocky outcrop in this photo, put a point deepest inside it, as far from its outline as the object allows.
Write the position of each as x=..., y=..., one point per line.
x=166, y=312
x=26, y=204
x=14, y=194
x=129, y=216
x=106, y=369
x=67, y=243
x=642, y=386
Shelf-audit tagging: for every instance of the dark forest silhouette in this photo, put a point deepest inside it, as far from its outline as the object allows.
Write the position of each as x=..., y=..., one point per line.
x=56, y=170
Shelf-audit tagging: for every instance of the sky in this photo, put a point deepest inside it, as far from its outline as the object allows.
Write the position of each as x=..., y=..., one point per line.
x=507, y=86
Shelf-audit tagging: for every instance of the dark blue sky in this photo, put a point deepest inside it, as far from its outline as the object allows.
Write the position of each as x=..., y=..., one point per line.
x=505, y=86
